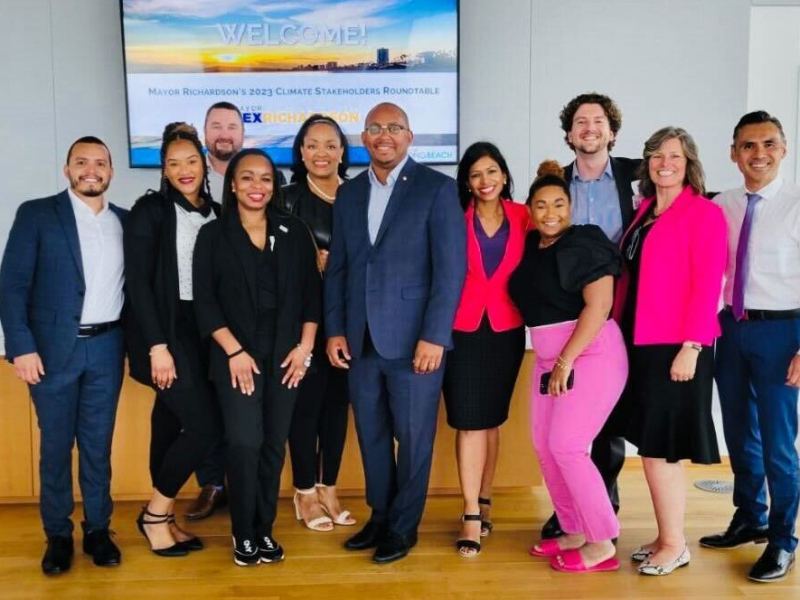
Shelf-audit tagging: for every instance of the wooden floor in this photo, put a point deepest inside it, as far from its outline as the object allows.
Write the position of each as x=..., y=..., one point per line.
x=317, y=566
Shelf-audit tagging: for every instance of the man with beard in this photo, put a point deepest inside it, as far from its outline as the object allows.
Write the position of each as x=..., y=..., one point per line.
x=61, y=296
x=601, y=187
x=223, y=133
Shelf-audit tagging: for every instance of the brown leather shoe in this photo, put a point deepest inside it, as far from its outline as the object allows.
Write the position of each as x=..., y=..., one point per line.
x=210, y=499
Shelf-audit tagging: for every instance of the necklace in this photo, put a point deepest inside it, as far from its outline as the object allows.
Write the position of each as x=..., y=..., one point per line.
x=546, y=244
x=318, y=191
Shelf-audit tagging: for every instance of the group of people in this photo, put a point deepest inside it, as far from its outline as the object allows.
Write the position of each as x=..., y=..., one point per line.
x=270, y=309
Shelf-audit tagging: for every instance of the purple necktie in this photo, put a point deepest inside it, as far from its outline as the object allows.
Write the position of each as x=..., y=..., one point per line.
x=741, y=257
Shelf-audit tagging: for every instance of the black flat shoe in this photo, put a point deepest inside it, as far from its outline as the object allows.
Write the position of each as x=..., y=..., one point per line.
x=368, y=537
x=466, y=546
x=57, y=557
x=392, y=547
x=736, y=535
x=773, y=565
x=486, y=524
x=193, y=544
x=552, y=528
x=172, y=551
x=100, y=547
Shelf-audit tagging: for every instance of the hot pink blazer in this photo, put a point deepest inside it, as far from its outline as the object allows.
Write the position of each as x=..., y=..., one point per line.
x=680, y=275
x=491, y=294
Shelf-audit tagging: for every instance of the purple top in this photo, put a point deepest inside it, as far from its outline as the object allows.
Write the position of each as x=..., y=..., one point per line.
x=492, y=248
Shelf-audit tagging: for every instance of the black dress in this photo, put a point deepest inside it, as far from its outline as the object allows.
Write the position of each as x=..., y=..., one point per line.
x=665, y=419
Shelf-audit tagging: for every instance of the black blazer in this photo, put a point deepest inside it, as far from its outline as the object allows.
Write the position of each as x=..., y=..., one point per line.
x=299, y=200
x=151, y=277
x=225, y=287
x=625, y=172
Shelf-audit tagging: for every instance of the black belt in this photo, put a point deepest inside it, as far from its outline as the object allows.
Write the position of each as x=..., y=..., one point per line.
x=754, y=314
x=87, y=331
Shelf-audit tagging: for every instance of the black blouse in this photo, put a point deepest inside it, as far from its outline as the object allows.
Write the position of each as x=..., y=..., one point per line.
x=547, y=286
x=315, y=212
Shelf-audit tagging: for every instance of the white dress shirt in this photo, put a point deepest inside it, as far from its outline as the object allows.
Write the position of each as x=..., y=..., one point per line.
x=100, y=237
x=773, y=275
x=215, y=183
x=188, y=224
x=379, y=194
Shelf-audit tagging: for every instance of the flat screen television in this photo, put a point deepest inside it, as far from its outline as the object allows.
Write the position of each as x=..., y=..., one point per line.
x=280, y=61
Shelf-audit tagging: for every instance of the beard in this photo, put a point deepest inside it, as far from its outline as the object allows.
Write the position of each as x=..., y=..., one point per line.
x=96, y=189
x=223, y=155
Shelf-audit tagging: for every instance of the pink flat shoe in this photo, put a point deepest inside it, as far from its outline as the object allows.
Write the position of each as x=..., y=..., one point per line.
x=571, y=561
x=547, y=549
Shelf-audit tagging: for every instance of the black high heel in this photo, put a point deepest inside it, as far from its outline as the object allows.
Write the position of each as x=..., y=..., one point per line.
x=192, y=544
x=174, y=550
x=486, y=524
x=464, y=544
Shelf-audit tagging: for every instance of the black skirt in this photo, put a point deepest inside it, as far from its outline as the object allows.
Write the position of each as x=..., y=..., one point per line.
x=670, y=419
x=480, y=374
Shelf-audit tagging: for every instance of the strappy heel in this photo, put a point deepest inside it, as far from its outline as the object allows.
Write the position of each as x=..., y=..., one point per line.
x=192, y=544
x=174, y=550
x=486, y=524
x=464, y=545
x=321, y=523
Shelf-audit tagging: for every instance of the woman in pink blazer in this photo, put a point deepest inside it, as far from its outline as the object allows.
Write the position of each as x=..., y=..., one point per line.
x=488, y=337
x=666, y=303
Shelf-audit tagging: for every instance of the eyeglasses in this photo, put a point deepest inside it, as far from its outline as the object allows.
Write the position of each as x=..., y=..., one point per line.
x=392, y=128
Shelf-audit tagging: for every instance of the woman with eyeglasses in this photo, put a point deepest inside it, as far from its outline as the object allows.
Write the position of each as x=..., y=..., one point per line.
x=564, y=289
x=257, y=296
x=666, y=302
x=319, y=424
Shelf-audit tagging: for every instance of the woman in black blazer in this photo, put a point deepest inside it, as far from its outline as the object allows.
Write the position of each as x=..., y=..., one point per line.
x=258, y=296
x=319, y=424
x=165, y=349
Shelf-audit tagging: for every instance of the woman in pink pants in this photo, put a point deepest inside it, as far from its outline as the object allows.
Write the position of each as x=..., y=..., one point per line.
x=564, y=289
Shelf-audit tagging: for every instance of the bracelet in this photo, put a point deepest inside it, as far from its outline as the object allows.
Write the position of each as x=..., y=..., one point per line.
x=237, y=353
x=308, y=357
x=561, y=362
x=693, y=346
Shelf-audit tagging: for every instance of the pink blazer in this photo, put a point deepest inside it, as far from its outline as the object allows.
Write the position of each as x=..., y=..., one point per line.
x=680, y=275
x=491, y=294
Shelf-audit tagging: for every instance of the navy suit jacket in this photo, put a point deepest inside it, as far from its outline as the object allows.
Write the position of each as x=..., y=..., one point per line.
x=41, y=280
x=406, y=286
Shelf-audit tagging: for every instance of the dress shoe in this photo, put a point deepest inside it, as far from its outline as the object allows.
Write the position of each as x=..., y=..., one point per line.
x=103, y=551
x=368, y=537
x=773, y=565
x=552, y=528
x=648, y=568
x=393, y=546
x=142, y=521
x=737, y=534
x=58, y=556
x=210, y=499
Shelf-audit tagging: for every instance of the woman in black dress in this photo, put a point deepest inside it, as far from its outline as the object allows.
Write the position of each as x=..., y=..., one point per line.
x=319, y=424
x=257, y=292
x=165, y=349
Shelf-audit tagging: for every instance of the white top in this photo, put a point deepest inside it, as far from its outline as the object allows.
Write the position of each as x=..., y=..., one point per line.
x=188, y=226
x=773, y=277
x=100, y=237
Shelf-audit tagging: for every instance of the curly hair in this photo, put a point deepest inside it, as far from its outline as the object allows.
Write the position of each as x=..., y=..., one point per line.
x=176, y=131
x=694, y=177
x=610, y=108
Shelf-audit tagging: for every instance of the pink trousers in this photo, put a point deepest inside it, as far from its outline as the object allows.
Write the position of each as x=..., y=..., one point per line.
x=563, y=427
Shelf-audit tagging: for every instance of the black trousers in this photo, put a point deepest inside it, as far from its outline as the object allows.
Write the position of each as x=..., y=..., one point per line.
x=183, y=430
x=319, y=426
x=608, y=455
x=256, y=429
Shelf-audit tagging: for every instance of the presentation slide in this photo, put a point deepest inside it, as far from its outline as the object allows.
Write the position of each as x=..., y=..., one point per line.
x=281, y=61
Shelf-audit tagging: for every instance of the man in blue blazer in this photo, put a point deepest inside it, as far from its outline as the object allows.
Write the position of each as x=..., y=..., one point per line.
x=61, y=296
x=395, y=271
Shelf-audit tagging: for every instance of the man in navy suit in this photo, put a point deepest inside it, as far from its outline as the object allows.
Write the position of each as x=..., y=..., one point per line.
x=61, y=296
x=394, y=277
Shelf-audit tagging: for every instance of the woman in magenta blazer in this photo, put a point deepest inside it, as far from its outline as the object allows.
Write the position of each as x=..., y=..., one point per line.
x=488, y=336
x=666, y=302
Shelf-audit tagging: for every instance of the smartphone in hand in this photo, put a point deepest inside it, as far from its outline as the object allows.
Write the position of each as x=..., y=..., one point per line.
x=544, y=382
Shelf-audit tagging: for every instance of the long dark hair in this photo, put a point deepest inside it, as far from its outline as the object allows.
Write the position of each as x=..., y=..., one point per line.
x=229, y=203
x=174, y=132
x=299, y=170
x=472, y=155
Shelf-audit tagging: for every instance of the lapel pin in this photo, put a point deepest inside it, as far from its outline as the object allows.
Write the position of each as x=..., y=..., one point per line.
x=283, y=228
x=405, y=178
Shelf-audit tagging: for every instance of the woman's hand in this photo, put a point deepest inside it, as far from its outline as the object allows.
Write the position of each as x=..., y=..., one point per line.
x=295, y=365
x=162, y=367
x=558, y=378
x=322, y=260
x=242, y=367
x=684, y=364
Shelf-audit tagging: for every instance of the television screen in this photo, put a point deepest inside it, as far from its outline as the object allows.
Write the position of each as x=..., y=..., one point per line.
x=279, y=61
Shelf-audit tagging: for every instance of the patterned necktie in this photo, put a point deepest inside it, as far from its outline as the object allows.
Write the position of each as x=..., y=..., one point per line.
x=741, y=257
